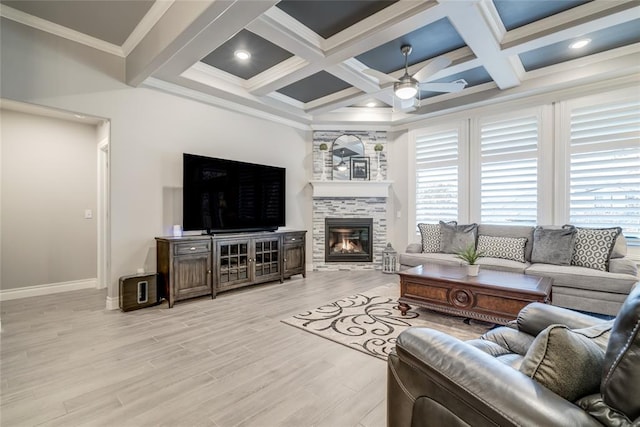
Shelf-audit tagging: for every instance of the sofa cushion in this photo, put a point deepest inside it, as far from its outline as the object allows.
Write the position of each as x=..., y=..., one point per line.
x=455, y=238
x=565, y=361
x=623, y=266
x=553, y=245
x=584, y=278
x=620, y=386
x=594, y=246
x=502, y=247
x=510, y=231
x=500, y=264
x=430, y=234
x=413, y=260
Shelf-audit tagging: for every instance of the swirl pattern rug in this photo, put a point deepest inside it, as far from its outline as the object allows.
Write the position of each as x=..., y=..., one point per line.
x=370, y=321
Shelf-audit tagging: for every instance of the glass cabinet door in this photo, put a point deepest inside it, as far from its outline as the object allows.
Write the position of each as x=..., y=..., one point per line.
x=267, y=258
x=233, y=258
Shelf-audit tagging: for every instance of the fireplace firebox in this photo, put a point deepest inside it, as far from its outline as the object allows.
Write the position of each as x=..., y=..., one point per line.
x=348, y=240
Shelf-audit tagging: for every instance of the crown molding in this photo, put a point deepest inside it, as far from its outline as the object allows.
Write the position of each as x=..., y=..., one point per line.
x=59, y=30
x=178, y=90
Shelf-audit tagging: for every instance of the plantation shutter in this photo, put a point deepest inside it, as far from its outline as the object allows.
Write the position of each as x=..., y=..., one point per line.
x=605, y=167
x=509, y=170
x=436, y=160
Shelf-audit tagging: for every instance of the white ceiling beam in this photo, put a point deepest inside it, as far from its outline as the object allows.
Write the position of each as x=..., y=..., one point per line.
x=472, y=24
x=214, y=28
x=174, y=30
x=392, y=22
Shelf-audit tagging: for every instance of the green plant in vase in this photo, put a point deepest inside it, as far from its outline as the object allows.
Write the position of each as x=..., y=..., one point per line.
x=470, y=255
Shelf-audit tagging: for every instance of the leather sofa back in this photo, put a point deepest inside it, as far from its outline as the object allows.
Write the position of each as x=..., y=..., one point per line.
x=620, y=385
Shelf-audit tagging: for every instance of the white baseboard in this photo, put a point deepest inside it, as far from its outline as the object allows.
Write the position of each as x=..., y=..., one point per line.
x=113, y=303
x=51, y=288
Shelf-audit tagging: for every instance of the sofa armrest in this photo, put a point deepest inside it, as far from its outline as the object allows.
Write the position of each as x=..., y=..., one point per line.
x=536, y=317
x=441, y=379
x=414, y=248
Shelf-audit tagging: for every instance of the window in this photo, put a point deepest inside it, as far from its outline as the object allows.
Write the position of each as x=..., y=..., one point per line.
x=604, y=171
x=508, y=172
x=437, y=159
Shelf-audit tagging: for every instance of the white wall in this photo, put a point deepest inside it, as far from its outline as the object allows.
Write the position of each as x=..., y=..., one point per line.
x=149, y=132
x=48, y=181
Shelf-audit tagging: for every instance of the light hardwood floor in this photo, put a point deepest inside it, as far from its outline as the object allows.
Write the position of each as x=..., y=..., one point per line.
x=66, y=361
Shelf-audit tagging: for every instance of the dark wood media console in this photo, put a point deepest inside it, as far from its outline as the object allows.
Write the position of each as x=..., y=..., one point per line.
x=192, y=266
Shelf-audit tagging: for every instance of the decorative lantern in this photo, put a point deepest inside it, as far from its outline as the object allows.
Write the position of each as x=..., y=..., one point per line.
x=390, y=261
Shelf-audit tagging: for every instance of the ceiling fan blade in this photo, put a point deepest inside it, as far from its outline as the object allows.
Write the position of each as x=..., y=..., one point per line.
x=456, y=86
x=431, y=68
x=380, y=76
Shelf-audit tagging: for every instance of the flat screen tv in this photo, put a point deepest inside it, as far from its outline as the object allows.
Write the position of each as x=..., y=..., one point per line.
x=229, y=196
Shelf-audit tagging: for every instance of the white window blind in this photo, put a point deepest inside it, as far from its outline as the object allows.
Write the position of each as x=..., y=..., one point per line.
x=509, y=171
x=436, y=160
x=605, y=167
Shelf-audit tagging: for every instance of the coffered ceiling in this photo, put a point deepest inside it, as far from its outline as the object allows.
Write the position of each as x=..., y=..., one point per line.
x=307, y=57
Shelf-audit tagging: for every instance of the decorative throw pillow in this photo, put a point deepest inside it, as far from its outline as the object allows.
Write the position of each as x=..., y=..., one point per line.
x=502, y=247
x=593, y=247
x=431, y=236
x=456, y=238
x=553, y=245
x=564, y=361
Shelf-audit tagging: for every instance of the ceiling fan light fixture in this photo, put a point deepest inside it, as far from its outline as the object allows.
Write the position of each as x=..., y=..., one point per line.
x=405, y=89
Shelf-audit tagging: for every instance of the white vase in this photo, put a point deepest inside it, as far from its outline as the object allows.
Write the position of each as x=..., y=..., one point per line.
x=378, y=171
x=323, y=177
x=472, y=270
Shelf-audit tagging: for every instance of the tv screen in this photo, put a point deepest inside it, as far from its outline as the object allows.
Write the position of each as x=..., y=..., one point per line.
x=224, y=195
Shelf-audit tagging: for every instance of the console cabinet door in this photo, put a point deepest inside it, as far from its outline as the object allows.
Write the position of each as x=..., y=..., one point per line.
x=233, y=267
x=293, y=254
x=192, y=275
x=266, y=259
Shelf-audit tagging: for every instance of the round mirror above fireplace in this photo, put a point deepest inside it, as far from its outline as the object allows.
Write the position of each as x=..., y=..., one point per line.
x=343, y=148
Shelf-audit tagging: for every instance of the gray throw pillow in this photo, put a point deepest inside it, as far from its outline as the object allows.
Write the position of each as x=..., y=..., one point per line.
x=430, y=234
x=456, y=238
x=566, y=362
x=553, y=245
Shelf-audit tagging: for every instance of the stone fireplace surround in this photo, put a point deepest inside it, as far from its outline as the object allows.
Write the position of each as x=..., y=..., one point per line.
x=354, y=199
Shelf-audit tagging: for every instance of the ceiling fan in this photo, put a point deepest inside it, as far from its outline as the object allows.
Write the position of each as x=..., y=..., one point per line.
x=408, y=86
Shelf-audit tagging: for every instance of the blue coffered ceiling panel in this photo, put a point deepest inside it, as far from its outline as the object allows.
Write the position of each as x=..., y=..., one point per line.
x=602, y=40
x=427, y=42
x=327, y=18
x=264, y=55
x=314, y=87
x=517, y=13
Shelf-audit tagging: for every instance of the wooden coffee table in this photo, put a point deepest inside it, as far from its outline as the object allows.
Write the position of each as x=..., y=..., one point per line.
x=492, y=296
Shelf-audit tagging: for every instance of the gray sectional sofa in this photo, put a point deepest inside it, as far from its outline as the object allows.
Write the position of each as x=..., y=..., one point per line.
x=574, y=287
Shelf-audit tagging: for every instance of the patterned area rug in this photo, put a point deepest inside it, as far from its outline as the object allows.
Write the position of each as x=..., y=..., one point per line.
x=370, y=321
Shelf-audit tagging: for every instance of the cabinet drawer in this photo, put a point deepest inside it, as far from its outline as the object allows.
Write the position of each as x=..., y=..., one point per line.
x=192, y=248
x=293, y=237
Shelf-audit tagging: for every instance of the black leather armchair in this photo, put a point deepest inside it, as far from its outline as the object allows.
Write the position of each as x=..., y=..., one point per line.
x=437, y=380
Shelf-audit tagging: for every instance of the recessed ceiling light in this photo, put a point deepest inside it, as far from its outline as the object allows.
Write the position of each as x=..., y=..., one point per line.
x=371, y=104
x=579, y=44
x=242, y=54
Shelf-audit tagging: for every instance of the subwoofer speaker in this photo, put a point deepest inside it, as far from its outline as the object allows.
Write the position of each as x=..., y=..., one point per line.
x=138, y=291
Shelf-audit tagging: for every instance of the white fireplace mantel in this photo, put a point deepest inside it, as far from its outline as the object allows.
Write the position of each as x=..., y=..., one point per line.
x=350, y=188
